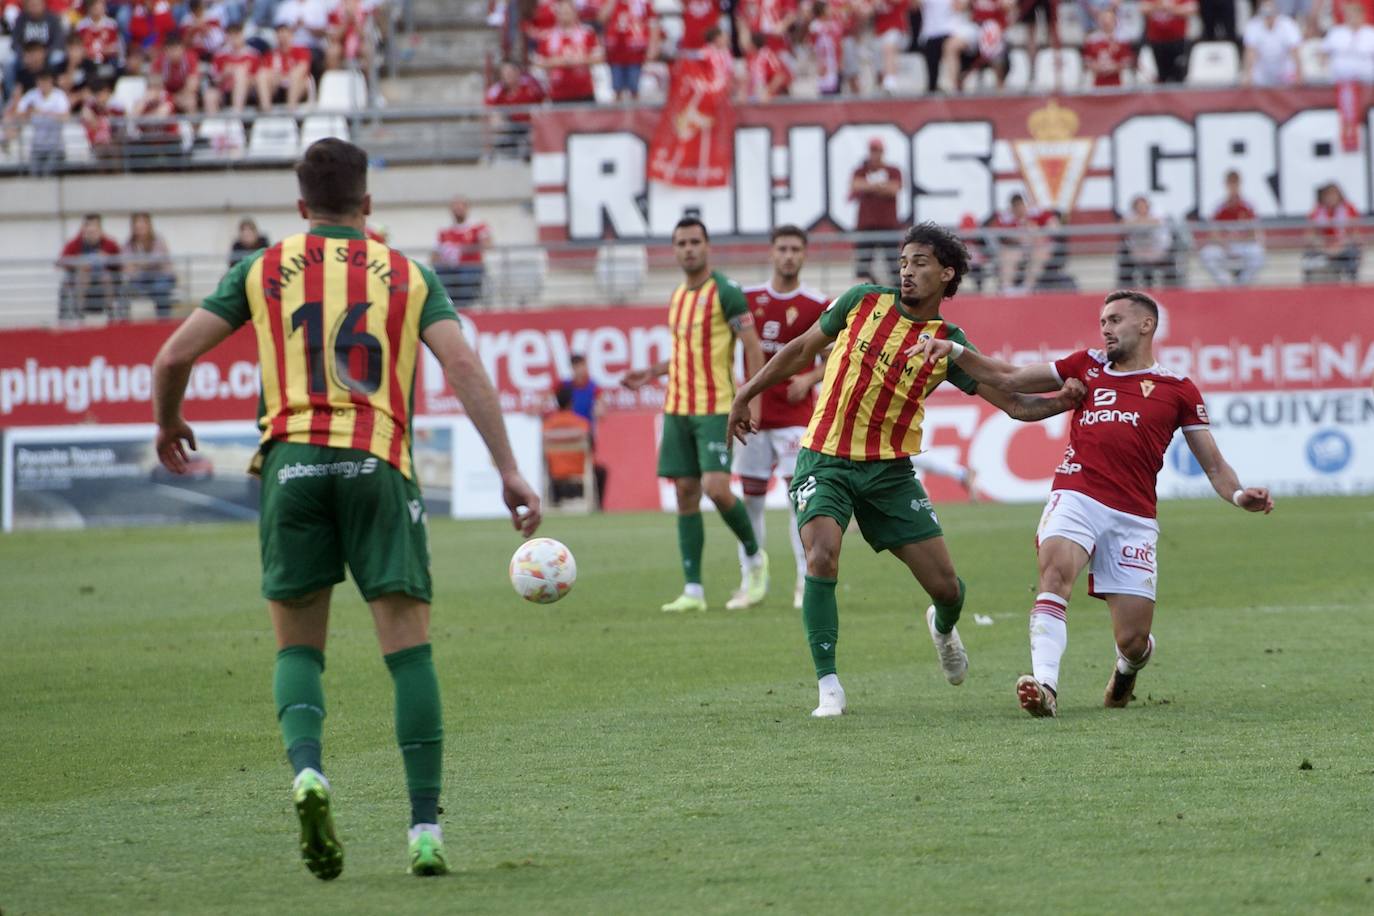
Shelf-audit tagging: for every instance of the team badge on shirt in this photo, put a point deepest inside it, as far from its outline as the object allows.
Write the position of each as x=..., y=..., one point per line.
x=1146, y=386
x=791, y=314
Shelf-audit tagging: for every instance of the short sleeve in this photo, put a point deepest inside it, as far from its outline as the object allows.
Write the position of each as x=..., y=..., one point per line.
x=1192, y=410
x=1071, y=366
x=836, y=314
x=953, y=374
x=438, y=305
x=732, y=301
x=230, y=299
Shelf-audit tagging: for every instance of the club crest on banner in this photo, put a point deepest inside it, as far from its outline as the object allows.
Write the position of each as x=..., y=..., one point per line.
x=1054, y=161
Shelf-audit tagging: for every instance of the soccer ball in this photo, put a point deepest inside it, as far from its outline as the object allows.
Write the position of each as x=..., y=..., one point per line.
x=543, y=570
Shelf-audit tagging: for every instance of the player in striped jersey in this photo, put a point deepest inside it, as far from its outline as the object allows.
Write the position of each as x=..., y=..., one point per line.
x=707, y=315
x=855, y=458
x=338, y=320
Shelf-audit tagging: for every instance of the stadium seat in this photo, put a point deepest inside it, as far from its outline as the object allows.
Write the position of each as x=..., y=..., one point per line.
x=128, y=90
x=601, y=84
x=1018, y=70
x=1130, y=23
x=342, y=91
x=912, y=78
x=1057, y=70
x=224, y=138
x=76, y=146
x=1070, y=26
x=620, y=270
x=672, y=30
x=1146, y=70
x=516, y=274
x=1315, y=66
x=1213, y=63
x=318, y=127
x=653, y=82
x=274, y=138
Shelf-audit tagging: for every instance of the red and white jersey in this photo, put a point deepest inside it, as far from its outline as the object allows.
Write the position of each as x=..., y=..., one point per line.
x=781, y=318
x=461, y=244
x=229, y=58
x=764, y=67
x=827, y=46
x=1335, y=222
x=1121, y=430
x=698, y=17
x=569, y=83
x=1106, y=57
x=283, y=62
x=101, y=39
x=891, y=16
x=769, y=20
x=627, y=31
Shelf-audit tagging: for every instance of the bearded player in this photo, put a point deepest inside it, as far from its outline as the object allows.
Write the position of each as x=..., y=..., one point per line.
x=1101, y=508
x=855, y=459
x=783, y=309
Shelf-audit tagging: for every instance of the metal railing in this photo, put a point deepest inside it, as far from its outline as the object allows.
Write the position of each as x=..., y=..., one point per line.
x=1004, y=262
x=252, y=139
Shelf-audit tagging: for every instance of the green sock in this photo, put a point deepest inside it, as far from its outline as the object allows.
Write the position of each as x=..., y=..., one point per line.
x=691, y=541
x=419, y=729
x=299, y=696
x=821, y=617
x=737, y=517
x=947, y=615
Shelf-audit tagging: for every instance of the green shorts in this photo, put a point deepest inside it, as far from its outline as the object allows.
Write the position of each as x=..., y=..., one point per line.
x=323, y=507
x=889, y=502
x=694, y=445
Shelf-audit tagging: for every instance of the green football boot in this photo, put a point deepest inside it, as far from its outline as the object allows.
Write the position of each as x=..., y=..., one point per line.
x=427, y=851
x=320, y=847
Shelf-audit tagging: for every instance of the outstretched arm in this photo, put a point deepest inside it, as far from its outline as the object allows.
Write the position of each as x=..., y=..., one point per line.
x=1223, y=476
x=201, y=332
x=800, y=353
x=469, y=381
x=1029, y=408
x=988, y=371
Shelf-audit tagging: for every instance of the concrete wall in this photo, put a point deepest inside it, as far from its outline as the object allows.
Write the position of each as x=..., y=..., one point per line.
x=198, y=212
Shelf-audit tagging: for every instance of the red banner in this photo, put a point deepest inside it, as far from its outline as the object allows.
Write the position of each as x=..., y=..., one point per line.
x=105, y=375
x=1316, y=340
x=1087, y=156
x=692, y=145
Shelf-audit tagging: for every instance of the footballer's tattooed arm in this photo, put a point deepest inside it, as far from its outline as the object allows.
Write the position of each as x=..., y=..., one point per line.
x=985, y=370
x=1028, y=408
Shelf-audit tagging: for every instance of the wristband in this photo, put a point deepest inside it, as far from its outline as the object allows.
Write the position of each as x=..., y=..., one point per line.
x=956, y=350
x=1235, y=497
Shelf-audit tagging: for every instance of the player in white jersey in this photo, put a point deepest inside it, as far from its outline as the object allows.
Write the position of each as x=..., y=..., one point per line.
x=783, y=309
x=1101, y=508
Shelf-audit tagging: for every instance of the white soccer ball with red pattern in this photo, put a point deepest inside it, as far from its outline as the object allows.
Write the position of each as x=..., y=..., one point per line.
x=543, y=570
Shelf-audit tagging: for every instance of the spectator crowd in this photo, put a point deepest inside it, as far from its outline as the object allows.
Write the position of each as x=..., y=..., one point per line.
x=832, y=47
x=63, y=61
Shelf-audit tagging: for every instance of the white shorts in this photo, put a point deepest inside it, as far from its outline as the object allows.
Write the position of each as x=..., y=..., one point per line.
x=1123, y=547
x=895, y=38
x=769, y=450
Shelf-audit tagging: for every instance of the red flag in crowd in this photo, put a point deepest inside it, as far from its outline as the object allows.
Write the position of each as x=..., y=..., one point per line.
x=1348, y=107
x=692, y=145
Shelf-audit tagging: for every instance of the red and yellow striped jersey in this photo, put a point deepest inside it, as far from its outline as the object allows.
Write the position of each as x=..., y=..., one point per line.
x=338, y=320
x=873, y=398
x=701, y=372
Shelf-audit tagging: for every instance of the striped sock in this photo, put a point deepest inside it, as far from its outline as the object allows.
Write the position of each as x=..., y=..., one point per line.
x=1049, y=637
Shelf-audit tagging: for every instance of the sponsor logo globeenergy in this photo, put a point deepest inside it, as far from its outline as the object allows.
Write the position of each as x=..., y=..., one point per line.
x=77, y=387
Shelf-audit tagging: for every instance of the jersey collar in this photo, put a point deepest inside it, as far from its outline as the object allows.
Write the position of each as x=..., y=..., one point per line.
x=1118, y=373
x=337, y=232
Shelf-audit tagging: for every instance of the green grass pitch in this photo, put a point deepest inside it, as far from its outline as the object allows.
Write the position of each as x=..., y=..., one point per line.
x=603, y=757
